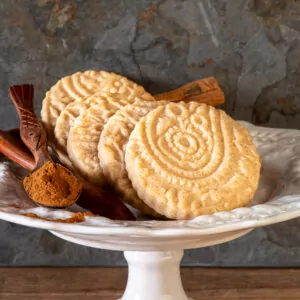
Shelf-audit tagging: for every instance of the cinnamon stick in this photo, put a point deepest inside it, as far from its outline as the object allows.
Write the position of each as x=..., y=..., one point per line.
x=205, y=90
x=12, y=147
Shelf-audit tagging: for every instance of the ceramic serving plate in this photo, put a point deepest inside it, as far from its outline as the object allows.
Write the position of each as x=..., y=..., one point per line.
x=277, y=199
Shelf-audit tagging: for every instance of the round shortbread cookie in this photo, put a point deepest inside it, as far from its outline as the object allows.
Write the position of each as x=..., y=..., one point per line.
x=82, y=85
x=62, y=128
x=190, y=159
x=83, y=140
x=111, y=150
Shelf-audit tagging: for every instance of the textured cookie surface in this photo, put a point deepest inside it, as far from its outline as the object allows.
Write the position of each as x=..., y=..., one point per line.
x=66, y=120
x=69, y=89
x=84, y=136
x=111, y=150
x=190, y=159
x=82, y=85
x=62, y=128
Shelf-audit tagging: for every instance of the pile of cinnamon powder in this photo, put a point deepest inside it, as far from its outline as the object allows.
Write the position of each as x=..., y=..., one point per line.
x=53, y=185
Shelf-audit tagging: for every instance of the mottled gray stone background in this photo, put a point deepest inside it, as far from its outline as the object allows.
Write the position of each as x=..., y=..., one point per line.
x=251, y=47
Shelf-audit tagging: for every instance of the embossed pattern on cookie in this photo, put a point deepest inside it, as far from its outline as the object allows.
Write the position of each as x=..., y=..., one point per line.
x=69, y=89
x=82, y=144
x=83, y=140
x=82, y=85
x=62, y=128
x=111, y=150
x=190, y=159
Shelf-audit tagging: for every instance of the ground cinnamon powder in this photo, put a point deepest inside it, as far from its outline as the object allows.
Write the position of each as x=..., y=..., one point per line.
x=76, y=218
x=53, y=185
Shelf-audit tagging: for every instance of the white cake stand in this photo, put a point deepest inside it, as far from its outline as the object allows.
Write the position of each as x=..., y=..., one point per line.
x=153, y=249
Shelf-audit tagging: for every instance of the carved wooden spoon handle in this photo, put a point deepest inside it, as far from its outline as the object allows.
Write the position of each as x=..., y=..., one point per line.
x=32, y=131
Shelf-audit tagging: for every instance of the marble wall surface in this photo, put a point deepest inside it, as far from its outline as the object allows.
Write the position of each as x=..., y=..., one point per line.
x=251, y=46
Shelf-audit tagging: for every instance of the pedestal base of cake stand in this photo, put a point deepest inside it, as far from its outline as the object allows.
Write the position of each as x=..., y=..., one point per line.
x=154, y=275
x=153, y=263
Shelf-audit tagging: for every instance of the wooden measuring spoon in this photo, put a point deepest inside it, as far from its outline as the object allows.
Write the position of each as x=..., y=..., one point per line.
x=98, y=200
x=49, y=184
x=32, y=132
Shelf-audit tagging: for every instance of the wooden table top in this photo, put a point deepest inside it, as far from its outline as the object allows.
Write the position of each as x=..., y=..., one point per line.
x=108, y=283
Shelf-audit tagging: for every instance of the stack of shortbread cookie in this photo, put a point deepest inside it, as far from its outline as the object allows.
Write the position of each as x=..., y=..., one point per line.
x=177, y=160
